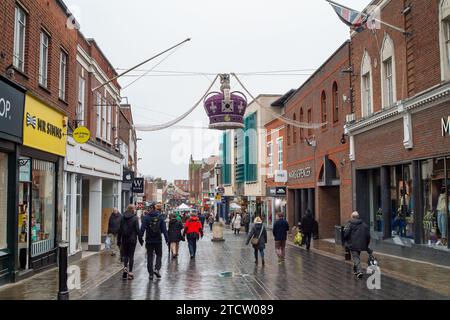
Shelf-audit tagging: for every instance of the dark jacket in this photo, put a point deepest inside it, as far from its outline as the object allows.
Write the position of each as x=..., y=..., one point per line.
x=114, y=223
x=307, y=223
x=280, y=229
x=175, y=228
x=357, y=235
x=129, y=229
x=256, y=231
x=151, y=237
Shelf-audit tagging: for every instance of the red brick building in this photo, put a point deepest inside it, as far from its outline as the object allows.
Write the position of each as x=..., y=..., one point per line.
x=319, y=176
x=398, y=132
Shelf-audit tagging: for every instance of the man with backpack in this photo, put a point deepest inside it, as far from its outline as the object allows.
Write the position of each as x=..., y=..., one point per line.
x=153, y=227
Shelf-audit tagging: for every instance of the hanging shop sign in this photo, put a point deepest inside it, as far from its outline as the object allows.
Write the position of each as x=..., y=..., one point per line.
x=81, y=135
x=44, y=128
x=12, y=102
x=276, y=191
x=446, y=127
x=300, y=173
x=138, y=185
x=281, y=176
x=128, y=176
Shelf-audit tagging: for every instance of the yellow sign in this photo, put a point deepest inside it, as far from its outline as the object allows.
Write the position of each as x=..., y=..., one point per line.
x=81, y=135
x=44, y=127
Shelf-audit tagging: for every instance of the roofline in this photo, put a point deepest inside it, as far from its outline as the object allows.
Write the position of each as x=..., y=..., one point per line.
x=282, y=100
x=92, y=41
x=264, y=95
x=64, y=7
x=347, y=42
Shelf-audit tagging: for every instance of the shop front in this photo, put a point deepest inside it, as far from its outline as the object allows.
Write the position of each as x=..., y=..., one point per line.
x=39, y=221
x=12, y=100
x=275, y=203
x=403, y=184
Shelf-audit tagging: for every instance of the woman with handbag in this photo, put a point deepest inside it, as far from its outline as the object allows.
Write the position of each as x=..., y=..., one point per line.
x=175, y=236
x=258, y=238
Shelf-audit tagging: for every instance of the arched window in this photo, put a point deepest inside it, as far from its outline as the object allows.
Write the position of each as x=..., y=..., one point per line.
x=366, y=86
x=309, y=122
x=388, y=92
x=302, y=133
x=323, y=103
x=294, y=131
x=335, y=103
x=288, y=133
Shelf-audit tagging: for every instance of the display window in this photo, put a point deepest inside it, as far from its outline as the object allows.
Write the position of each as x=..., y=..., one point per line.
x=42, y=207
x=402, y=201
x=3, y=200
x=435, y=182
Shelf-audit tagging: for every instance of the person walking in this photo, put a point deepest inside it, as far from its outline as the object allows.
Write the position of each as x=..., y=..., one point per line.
x=127, y=239
x=211, y=221
x=357, y=238
x=307, y=227
x=202, y=219
x=153, y=227
x=280, y=230
x=193, y=231
x=237, y=223
x=258, y=237
x=246, y=222
x=175, y=235
x=113, y=230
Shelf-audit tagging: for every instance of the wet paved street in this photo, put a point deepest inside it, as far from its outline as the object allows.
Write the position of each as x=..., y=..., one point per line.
x=226, y=270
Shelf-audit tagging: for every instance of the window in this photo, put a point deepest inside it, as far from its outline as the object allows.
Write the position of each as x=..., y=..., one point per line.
x=302, y=133
x=309, y=122
x=447, y=41
x=19, y=39
x=270, y=157
x=108, y=124
x=294, y=130
x=288, y=133
x=104, y=107
x=43, y=60
x=323, y=103
x=98, y=103
x=388, y=73
x=335, y=103
x=3, y=200
x=280, y=153
x=116, y=125
x=366, y=86
x=444, y=37
x=79, y=117
x=62, y=75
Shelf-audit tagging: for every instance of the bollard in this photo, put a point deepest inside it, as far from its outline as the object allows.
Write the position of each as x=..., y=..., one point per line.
x=63, y=293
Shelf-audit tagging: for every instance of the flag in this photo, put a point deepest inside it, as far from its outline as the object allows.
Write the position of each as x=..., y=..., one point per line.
x=353, y=18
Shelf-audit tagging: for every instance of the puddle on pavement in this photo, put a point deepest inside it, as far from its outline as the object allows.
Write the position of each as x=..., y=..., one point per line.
x=230, y=274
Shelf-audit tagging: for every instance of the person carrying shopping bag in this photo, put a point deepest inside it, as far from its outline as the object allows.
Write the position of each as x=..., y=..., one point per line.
x=258, y=238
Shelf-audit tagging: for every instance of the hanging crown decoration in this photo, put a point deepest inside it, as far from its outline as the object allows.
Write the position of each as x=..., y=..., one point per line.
x=226, y=109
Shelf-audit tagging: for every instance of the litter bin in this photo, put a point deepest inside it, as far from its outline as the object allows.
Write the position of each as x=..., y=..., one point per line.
x=339, y=235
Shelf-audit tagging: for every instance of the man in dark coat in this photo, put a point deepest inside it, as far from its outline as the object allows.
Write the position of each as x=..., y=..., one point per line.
x=280, y=230
x=127, y=239
x=113, y=229
x=307, y=226
x=357, y=237
x=154, y=226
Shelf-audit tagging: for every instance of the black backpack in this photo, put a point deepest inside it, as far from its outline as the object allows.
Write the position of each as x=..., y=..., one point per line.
x=154, y=225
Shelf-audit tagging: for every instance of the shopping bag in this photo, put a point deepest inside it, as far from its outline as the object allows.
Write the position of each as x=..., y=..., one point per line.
x=298, y=239
x=108, y=243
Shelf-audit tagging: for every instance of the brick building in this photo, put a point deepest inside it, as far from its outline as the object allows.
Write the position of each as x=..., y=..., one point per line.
x=398, y=132
x=319, y=175
x=38, y=51
x=195, y=181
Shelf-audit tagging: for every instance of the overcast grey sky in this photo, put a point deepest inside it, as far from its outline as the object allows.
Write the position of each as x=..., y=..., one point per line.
x=227, y=36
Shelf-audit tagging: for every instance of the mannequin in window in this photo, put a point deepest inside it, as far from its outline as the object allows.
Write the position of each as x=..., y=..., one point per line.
x=442, y=216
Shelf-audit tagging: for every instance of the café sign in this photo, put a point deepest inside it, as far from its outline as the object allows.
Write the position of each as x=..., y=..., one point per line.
x=446, y=127
x=300, y=173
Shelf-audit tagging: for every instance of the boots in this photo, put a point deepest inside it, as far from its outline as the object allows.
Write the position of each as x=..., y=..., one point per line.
x=263, y=263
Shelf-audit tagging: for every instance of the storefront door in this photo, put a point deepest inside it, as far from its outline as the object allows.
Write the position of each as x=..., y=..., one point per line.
x=24, y=213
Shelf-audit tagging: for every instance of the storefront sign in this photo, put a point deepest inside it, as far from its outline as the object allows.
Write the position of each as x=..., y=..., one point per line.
x=128, y=176
x=276, y=192
x=44, y=127
x=138, y=185
x=81, y=135
x=446, y=127
x=300, y=173
x=281, y=176
x=12, y=103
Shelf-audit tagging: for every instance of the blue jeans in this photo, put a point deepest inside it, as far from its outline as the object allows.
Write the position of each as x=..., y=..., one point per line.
x=192, y=243
x=442, y=223
x=261, y=252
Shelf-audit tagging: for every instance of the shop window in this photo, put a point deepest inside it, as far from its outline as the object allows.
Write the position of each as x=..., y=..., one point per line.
x=42, y=207
x=335, y=103
x=402, y=201
x=3, y=200
x=435, y=191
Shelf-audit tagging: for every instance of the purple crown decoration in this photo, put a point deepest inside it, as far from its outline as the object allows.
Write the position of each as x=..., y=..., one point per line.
x=225, y=110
